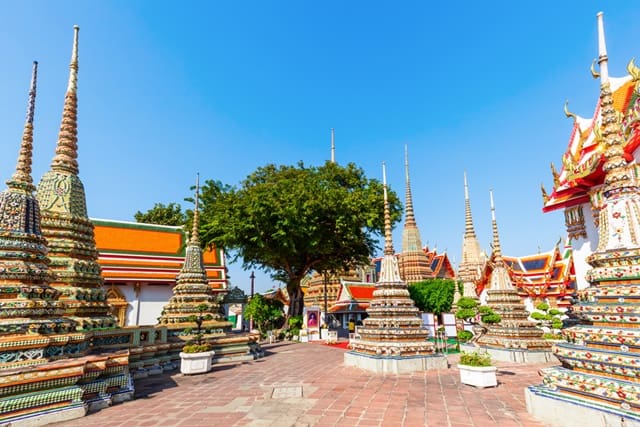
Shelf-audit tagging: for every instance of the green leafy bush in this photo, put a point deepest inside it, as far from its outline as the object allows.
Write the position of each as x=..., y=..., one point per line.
x=475, y=359
x=464, y=336
x=196, y=348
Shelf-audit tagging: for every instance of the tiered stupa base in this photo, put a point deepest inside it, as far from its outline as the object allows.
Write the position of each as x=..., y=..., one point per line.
x=392, y=339
x=600, y=375
x=514, y=338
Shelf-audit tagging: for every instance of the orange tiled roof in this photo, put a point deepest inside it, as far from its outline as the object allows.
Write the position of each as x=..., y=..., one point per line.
x=138, y=252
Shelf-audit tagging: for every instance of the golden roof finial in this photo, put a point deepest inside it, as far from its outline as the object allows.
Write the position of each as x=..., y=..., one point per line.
x=66, y=156
x=195, y=229
x=633, y=70
x=22, y=176
x=545, y=196
x=556, y=175
x=569, y=113
x=594, y=73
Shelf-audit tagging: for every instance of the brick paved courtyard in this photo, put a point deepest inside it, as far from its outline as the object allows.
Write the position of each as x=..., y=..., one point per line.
x=307, y=385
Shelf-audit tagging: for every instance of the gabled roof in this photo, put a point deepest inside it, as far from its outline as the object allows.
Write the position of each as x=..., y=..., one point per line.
x=353, y=296
x=548, y=274
x=137, y=252
x=582, y=162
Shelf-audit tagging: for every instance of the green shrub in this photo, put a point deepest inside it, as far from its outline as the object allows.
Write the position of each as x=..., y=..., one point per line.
x=543, y=306
x=196, y=348
x=464, y=336
x=475, y=359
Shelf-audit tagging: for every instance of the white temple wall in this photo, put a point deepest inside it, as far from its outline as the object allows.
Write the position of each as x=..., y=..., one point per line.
x=145, y=307
x=152, y=299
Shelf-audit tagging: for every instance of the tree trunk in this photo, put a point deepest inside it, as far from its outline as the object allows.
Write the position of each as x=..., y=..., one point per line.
x=296, y=298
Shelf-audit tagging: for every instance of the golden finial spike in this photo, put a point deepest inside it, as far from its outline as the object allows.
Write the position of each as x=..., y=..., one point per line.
x=22, y=176
x=65, y=159
x=569, y=113
x=633, y=70
x=195, y=233
x=556, y=176
x=545, y=196
x=594, y=73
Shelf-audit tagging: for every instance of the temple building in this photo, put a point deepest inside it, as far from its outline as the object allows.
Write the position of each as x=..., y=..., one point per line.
x=392, y=338
x=140, y=263
x=352, y=302
x=473, y=259
x=514, y=338
x=578, y=186
x=413, y=261
x=547, y=277
x=600, y=372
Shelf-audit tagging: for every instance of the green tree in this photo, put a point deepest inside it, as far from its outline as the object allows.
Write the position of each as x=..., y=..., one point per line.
x=469, y=310
x=289, y=220
x=433, y=295
x=266, y=313
x=170, y=214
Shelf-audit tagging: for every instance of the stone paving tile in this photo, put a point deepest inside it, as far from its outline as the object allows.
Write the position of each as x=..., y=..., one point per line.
x=332, y=395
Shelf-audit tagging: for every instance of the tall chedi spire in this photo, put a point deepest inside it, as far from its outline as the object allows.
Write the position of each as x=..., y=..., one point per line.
x=600, y=355
x=65, y=223
x=392, y=338
x=192, y=294
x=30, y=307
x=413, y=263
x=473, y=260
x=514, y=331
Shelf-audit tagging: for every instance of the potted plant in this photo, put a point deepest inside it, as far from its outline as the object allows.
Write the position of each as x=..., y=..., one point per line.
x=476, y=369
x=196, y=357
x=477, y=315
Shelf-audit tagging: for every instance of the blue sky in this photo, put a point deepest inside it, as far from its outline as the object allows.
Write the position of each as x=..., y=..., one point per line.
x=168, y=89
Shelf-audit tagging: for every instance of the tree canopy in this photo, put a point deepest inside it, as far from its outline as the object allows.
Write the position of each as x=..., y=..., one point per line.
x=289, y=220
x=265, y=312
x=433, y=295
x=170, y=214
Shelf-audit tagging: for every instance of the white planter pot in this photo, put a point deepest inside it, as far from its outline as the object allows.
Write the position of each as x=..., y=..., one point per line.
x=196, y=363
x=478, y=376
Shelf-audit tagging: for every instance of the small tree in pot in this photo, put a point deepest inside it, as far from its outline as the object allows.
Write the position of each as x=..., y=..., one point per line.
x=479, y=316
x=196, y=355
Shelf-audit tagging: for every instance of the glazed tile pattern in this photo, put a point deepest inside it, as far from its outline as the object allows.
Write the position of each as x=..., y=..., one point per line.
x=66, y=226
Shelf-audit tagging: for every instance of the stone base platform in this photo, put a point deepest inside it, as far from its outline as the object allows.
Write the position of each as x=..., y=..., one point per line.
x=508, y=355
x=46, y=417
x=395, y=365
x=560, y=410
